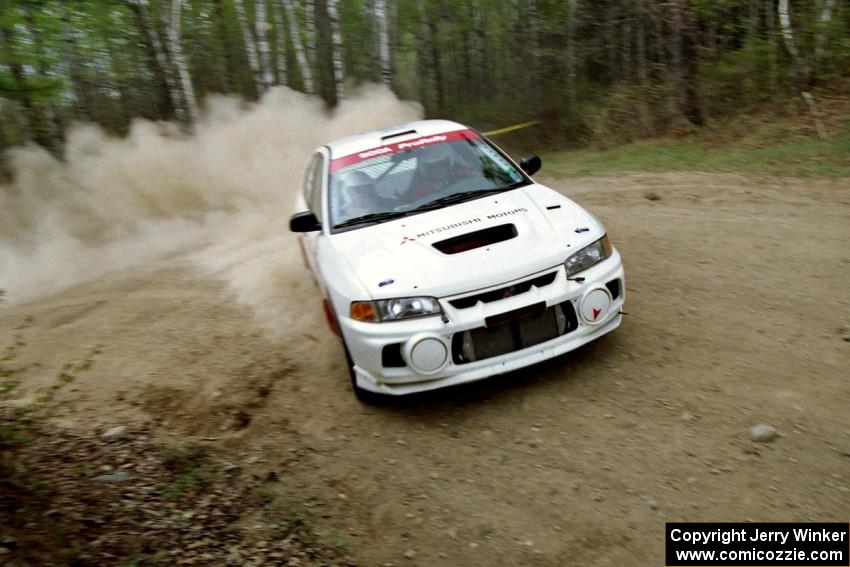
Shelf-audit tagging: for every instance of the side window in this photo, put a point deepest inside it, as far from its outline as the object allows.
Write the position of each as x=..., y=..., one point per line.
x=308, y=180
x=313, y=185
x=315, y=202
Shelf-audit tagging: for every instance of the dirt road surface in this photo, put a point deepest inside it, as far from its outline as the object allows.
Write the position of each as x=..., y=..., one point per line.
x=738, y=314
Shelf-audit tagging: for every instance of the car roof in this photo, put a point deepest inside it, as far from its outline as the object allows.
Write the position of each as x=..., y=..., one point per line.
x=398, y=133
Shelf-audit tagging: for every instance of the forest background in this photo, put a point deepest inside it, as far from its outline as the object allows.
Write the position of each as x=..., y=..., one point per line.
x=594, y=73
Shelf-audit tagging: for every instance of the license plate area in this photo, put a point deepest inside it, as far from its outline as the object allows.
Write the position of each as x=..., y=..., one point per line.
x=513, y=331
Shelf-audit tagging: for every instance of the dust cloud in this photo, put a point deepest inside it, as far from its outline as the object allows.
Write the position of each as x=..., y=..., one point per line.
x=220, y=197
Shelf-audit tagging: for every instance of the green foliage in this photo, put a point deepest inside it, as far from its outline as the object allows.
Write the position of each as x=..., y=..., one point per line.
x=745, y=77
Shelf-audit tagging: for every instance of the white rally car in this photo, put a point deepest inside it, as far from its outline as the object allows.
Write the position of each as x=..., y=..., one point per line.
x=442, y=262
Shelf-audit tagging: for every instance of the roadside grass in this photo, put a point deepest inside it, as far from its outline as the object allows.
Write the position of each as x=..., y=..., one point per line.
x=798, y=158
x=8, y=369
x=189, y=467
x=158, y=558
x=66, y=375
x=15, y=424
x=14, y=433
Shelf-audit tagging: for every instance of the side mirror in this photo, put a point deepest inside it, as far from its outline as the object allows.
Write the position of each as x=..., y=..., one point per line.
x=531, y=164
x=304, y=222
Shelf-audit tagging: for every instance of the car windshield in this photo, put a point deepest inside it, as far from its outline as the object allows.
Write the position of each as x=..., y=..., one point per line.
x=422, y=174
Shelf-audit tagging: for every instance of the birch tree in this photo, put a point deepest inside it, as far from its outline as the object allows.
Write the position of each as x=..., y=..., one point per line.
x=248, y=39
x=824, y=19
x=336, y=50
x=263, y=44
x=310, y=29
x=300, y=57
x=176, y=48
x=800, y=68
x=380, y=13
x=78, y=83
x=788, y=33
x=280, y=45
x=157, y=60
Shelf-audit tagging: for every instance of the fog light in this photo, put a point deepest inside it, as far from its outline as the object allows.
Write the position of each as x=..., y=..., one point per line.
x=595, y=305
x=427, y=355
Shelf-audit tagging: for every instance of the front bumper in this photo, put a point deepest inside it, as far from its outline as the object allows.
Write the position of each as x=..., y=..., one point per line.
x=366, y=341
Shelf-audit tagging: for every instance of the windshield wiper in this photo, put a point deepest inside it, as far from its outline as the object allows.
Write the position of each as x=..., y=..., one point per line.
x=459, y=197
x=372, y=217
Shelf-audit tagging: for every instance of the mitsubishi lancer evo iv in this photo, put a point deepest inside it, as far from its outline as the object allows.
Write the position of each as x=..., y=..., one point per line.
x=442, y=262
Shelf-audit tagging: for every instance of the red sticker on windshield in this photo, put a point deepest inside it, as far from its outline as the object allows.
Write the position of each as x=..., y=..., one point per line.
x=407, y=145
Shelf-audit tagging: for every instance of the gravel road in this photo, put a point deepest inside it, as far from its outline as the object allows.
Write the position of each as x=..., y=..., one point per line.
x=738, y=316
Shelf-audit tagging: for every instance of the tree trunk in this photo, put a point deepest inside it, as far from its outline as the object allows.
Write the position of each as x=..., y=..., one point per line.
x=572, y=17
x=230, y=66
x=263, y=44
x=686, y=65
x=116, y=82
x=483, y=71
x=825, y=18
x=336, y=50
x=610, y=45
x=176, y=48
x=310, y=28
x=429, y=28
x=303, y=64
x=642, y=54
x=785, y=24
x=248, y=40
x=157, y=60
x=466, y=78
x=280, y=45
x=172, y=79
x=801, y=71
x=423, y=65
x=383, y=43
x=438, y=71
x=392, y=37
x=534, y=44
x=79, y=85
x=626, y=71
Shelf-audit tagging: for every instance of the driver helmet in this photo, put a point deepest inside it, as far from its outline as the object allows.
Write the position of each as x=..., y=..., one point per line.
x=358, y=191
x=435, y=164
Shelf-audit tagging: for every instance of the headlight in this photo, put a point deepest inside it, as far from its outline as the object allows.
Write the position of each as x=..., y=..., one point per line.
x=589, y=256
x=395, y=309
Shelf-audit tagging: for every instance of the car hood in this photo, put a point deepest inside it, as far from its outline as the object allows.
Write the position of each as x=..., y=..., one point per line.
x=398, y=258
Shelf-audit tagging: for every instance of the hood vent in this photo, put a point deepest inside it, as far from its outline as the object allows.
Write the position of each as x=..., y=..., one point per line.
x=397, y=134
x=477, y=239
